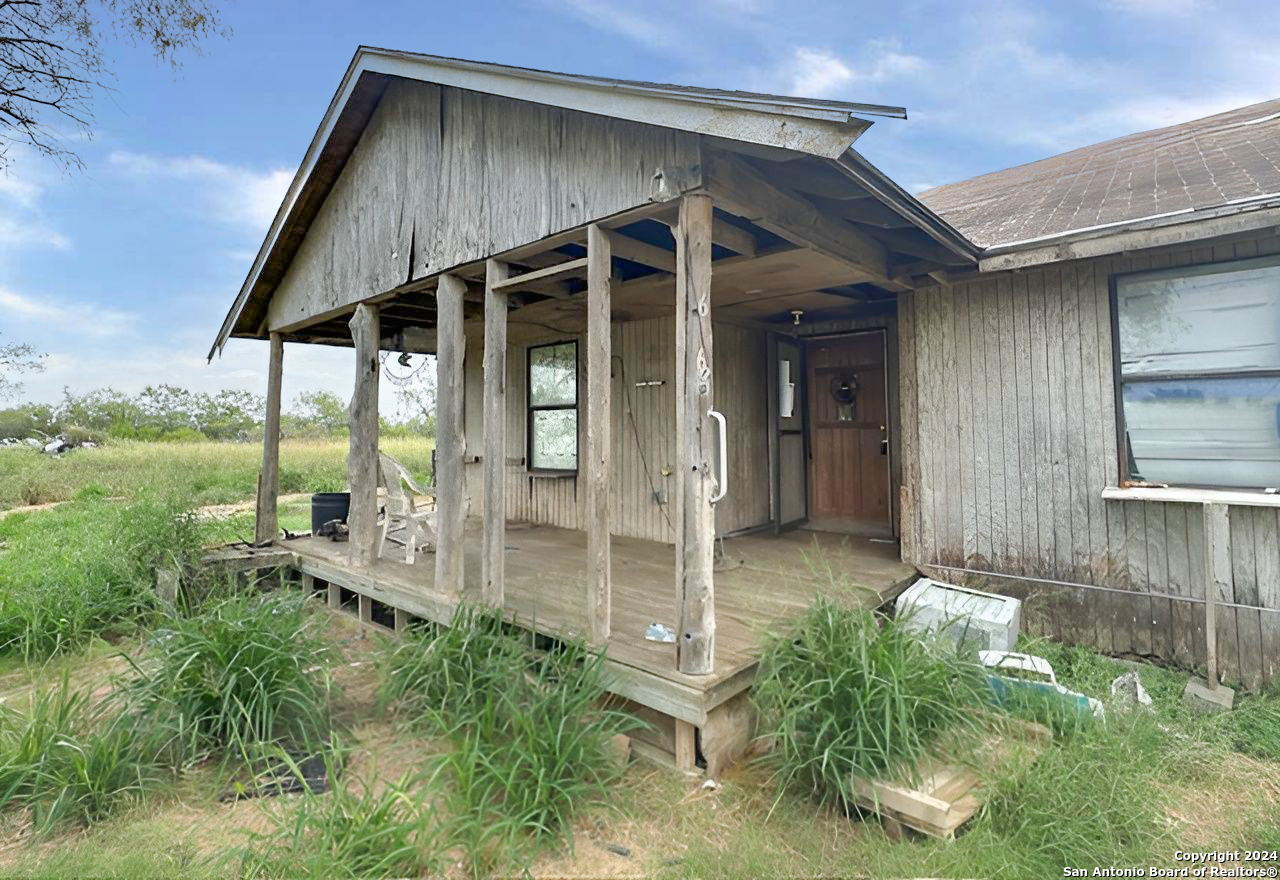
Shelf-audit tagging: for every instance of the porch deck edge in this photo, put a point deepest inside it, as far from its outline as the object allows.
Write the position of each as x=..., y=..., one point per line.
x=686, y=702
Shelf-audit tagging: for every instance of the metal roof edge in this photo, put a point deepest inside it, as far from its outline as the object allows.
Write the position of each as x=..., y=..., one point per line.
x=883, y=187
x=1156, y=230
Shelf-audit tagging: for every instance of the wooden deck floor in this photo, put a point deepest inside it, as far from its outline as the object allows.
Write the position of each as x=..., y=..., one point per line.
x=761, y=581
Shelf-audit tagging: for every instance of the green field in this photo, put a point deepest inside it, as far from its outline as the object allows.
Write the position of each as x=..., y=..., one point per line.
x=200, y=473
x=461, y=752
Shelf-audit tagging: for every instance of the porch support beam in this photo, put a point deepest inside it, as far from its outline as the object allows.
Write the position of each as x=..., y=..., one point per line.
x=1217, y=581
x=744, y=191
x=362, y=453
x=266, y=522
x=450, y=444
x=599, y=412
x=695, y=522
x=492, y=555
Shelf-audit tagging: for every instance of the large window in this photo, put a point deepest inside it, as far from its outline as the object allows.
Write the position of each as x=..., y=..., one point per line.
x=553, y=408
x=1199, y=374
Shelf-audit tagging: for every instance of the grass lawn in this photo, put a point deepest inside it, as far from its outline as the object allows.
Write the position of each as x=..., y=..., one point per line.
x=199, y=473
x=77, y=606
x=1132, y=790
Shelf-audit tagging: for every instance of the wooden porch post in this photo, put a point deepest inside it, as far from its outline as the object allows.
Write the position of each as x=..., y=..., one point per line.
x=493, y=554
x=450, y=501
x=266, y=523
x=362, y=453
x=1217, y=580
x=695, y=523
x=599, y=412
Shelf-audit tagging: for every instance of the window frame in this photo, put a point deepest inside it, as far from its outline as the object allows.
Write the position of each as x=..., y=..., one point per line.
x=530, y=408
x=1124, y=456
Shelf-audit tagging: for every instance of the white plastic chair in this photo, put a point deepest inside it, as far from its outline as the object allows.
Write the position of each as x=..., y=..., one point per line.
x=402, y=512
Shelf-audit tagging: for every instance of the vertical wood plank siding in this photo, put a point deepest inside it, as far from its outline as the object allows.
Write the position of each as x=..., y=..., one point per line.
x=444, y=176
x=1009, y=419
x=643, y=431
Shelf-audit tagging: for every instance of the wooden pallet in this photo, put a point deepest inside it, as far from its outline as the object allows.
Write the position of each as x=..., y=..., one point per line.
x=944, y=800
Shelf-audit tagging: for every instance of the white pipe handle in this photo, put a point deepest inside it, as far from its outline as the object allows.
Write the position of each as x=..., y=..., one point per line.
x=722, y=481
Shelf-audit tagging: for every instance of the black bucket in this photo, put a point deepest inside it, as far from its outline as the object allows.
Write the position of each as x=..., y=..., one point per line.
x=329, y=505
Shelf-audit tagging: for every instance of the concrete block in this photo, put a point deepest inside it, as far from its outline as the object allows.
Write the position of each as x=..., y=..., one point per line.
x=1199, y=695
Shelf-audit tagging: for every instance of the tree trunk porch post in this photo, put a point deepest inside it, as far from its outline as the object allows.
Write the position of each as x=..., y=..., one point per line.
x=266, y=522
x=450, y=442
x=695, y=484
x=493, y=552
x=362, y=453
x=599, y=412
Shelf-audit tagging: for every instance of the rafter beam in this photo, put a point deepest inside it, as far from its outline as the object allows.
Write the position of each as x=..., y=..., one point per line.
x=744, y=191
x=536, y=280
x=627, y=248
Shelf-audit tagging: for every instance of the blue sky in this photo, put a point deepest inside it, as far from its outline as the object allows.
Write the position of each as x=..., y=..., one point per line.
x=123, y=274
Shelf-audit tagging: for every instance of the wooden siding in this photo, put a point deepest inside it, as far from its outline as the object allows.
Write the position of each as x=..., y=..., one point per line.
x=1009, y=438
x=643, y=448
x=444, y=176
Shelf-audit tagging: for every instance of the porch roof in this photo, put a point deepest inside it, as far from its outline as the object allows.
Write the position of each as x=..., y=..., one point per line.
x=823, y=129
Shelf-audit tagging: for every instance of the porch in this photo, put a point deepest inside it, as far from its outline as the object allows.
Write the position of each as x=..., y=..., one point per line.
x=760, y=581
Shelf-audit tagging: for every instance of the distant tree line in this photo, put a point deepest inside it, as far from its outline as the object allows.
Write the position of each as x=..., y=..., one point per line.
x=169, y=413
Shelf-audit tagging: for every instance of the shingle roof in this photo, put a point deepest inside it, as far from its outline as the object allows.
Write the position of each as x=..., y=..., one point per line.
x=1192, y=166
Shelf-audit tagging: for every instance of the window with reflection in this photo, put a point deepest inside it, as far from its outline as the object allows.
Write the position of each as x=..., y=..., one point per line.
x=1199, y=374
x=553, y=407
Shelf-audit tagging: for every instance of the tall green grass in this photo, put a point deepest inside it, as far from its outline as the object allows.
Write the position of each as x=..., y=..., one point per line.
x=245, y=671
x=439, y=674
x=86, y=570
x=844, y=695
x=1092, y=799
x=69, y=759
x=531, y=743
x=358, y=829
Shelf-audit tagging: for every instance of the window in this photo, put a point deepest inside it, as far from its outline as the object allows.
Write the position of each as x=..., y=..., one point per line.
x=1198, y=357
x=553, y=407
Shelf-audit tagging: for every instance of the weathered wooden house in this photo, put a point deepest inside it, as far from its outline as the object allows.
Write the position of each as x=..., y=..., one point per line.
x=698, y=360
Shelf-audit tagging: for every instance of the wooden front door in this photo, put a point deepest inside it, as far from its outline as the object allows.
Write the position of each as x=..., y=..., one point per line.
x=848, y=430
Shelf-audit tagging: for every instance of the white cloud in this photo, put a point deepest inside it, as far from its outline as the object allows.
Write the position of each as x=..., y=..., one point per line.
x=22, y=185
x=810, y=72
x=18, y=188
x=30, y=231
x=239, y=196
x=654, y=31
x=816, y=73
x=84, y=318
x=887, y=61
x=1159, y=8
